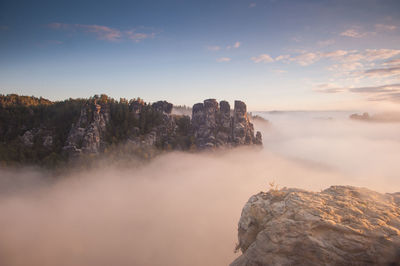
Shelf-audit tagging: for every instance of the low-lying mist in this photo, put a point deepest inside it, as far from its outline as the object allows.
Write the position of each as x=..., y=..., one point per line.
x=183, y=209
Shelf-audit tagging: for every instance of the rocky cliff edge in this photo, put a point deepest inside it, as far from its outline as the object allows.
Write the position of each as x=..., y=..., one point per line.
x=341, y=225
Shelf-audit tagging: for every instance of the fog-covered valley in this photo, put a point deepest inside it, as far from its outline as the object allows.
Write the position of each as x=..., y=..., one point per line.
x=183, y=208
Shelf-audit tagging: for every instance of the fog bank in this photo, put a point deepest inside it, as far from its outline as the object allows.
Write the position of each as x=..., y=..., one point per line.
x=183, y=209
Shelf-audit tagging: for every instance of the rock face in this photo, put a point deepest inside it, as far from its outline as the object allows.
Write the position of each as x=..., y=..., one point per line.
x=341, y=225
x=213, y=125
x=86, y=135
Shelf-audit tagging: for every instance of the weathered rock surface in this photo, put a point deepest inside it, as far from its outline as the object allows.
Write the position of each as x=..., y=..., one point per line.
x=341, y=225
x=86, y=135
x=213, y=125
x=44, y=137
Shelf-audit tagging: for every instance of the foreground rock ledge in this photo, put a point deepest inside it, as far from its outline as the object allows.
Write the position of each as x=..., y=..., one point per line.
x=341, y=225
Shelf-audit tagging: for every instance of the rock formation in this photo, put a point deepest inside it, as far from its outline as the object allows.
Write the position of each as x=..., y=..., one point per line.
x=86, y=135
x=213, y=125
x=341, y=225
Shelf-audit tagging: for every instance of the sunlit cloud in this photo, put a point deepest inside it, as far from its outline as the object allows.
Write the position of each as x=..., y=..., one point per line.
x=383, y=72
x=305, y=59
x=139, y=36
x=235, y=45
x=395, y=61
x=262, y=58
x=223, y=59
x=353, y=33
x=104, y=32
x=384, y=27
x=388, y=92
x=328, y=88
x=377, y=89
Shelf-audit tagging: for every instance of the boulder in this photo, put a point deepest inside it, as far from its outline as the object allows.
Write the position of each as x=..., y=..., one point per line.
x=342, y=225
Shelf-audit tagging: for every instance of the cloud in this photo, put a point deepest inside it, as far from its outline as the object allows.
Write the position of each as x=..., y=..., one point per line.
x=326, y=42
x=392, y=97
x=384, y=27
x=380, y=54
x=279, y=71
x=262, y=58
x=395, y=61
x=214, y=48
x=4, y=28
x=282, y=57
x=104, y=32
x=139, y=36
x=235, y=45
x=388, y=92
x=252, y=5
x=383, y=72
x=328, y=88
x=346, y=66
x=305, y=59
x=353, y=33
x=223, y=59
x=377, y=89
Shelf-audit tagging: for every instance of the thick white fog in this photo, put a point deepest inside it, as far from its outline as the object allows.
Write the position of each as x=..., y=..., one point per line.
x=183, y=209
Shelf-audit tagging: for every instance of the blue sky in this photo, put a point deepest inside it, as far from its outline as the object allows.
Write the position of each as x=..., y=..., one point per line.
x=272, y=54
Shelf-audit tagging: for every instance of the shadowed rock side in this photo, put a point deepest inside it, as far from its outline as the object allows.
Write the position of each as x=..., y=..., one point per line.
x=213, y=125
x=341, y=225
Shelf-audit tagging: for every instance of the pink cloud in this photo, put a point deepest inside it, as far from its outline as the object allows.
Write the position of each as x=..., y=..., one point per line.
x=104, y=32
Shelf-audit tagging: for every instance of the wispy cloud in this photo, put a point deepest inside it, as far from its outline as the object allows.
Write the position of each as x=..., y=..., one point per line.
x=223, y=59
x=324, y=43
x=262, y=58
x=385, y=27
x=357, y=32
x=329, y=88
x=3, y=27
x=228, y=47
x=377, y=89
x=252, y=5
x=351, y=58
x=387, y=92
x=354, y=33
x=383, y=72
x=214, y=48
x=104, y=32
x=305, y=59
x=136, y=36
x=395, y=61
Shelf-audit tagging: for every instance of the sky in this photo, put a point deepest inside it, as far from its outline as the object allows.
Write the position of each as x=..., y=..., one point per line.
x=273, y=54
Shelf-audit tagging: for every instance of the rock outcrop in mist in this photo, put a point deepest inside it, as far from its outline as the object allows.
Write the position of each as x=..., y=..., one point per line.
x=213, y=125
x=341, y=225
x=38, y=131
x=382, y=117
